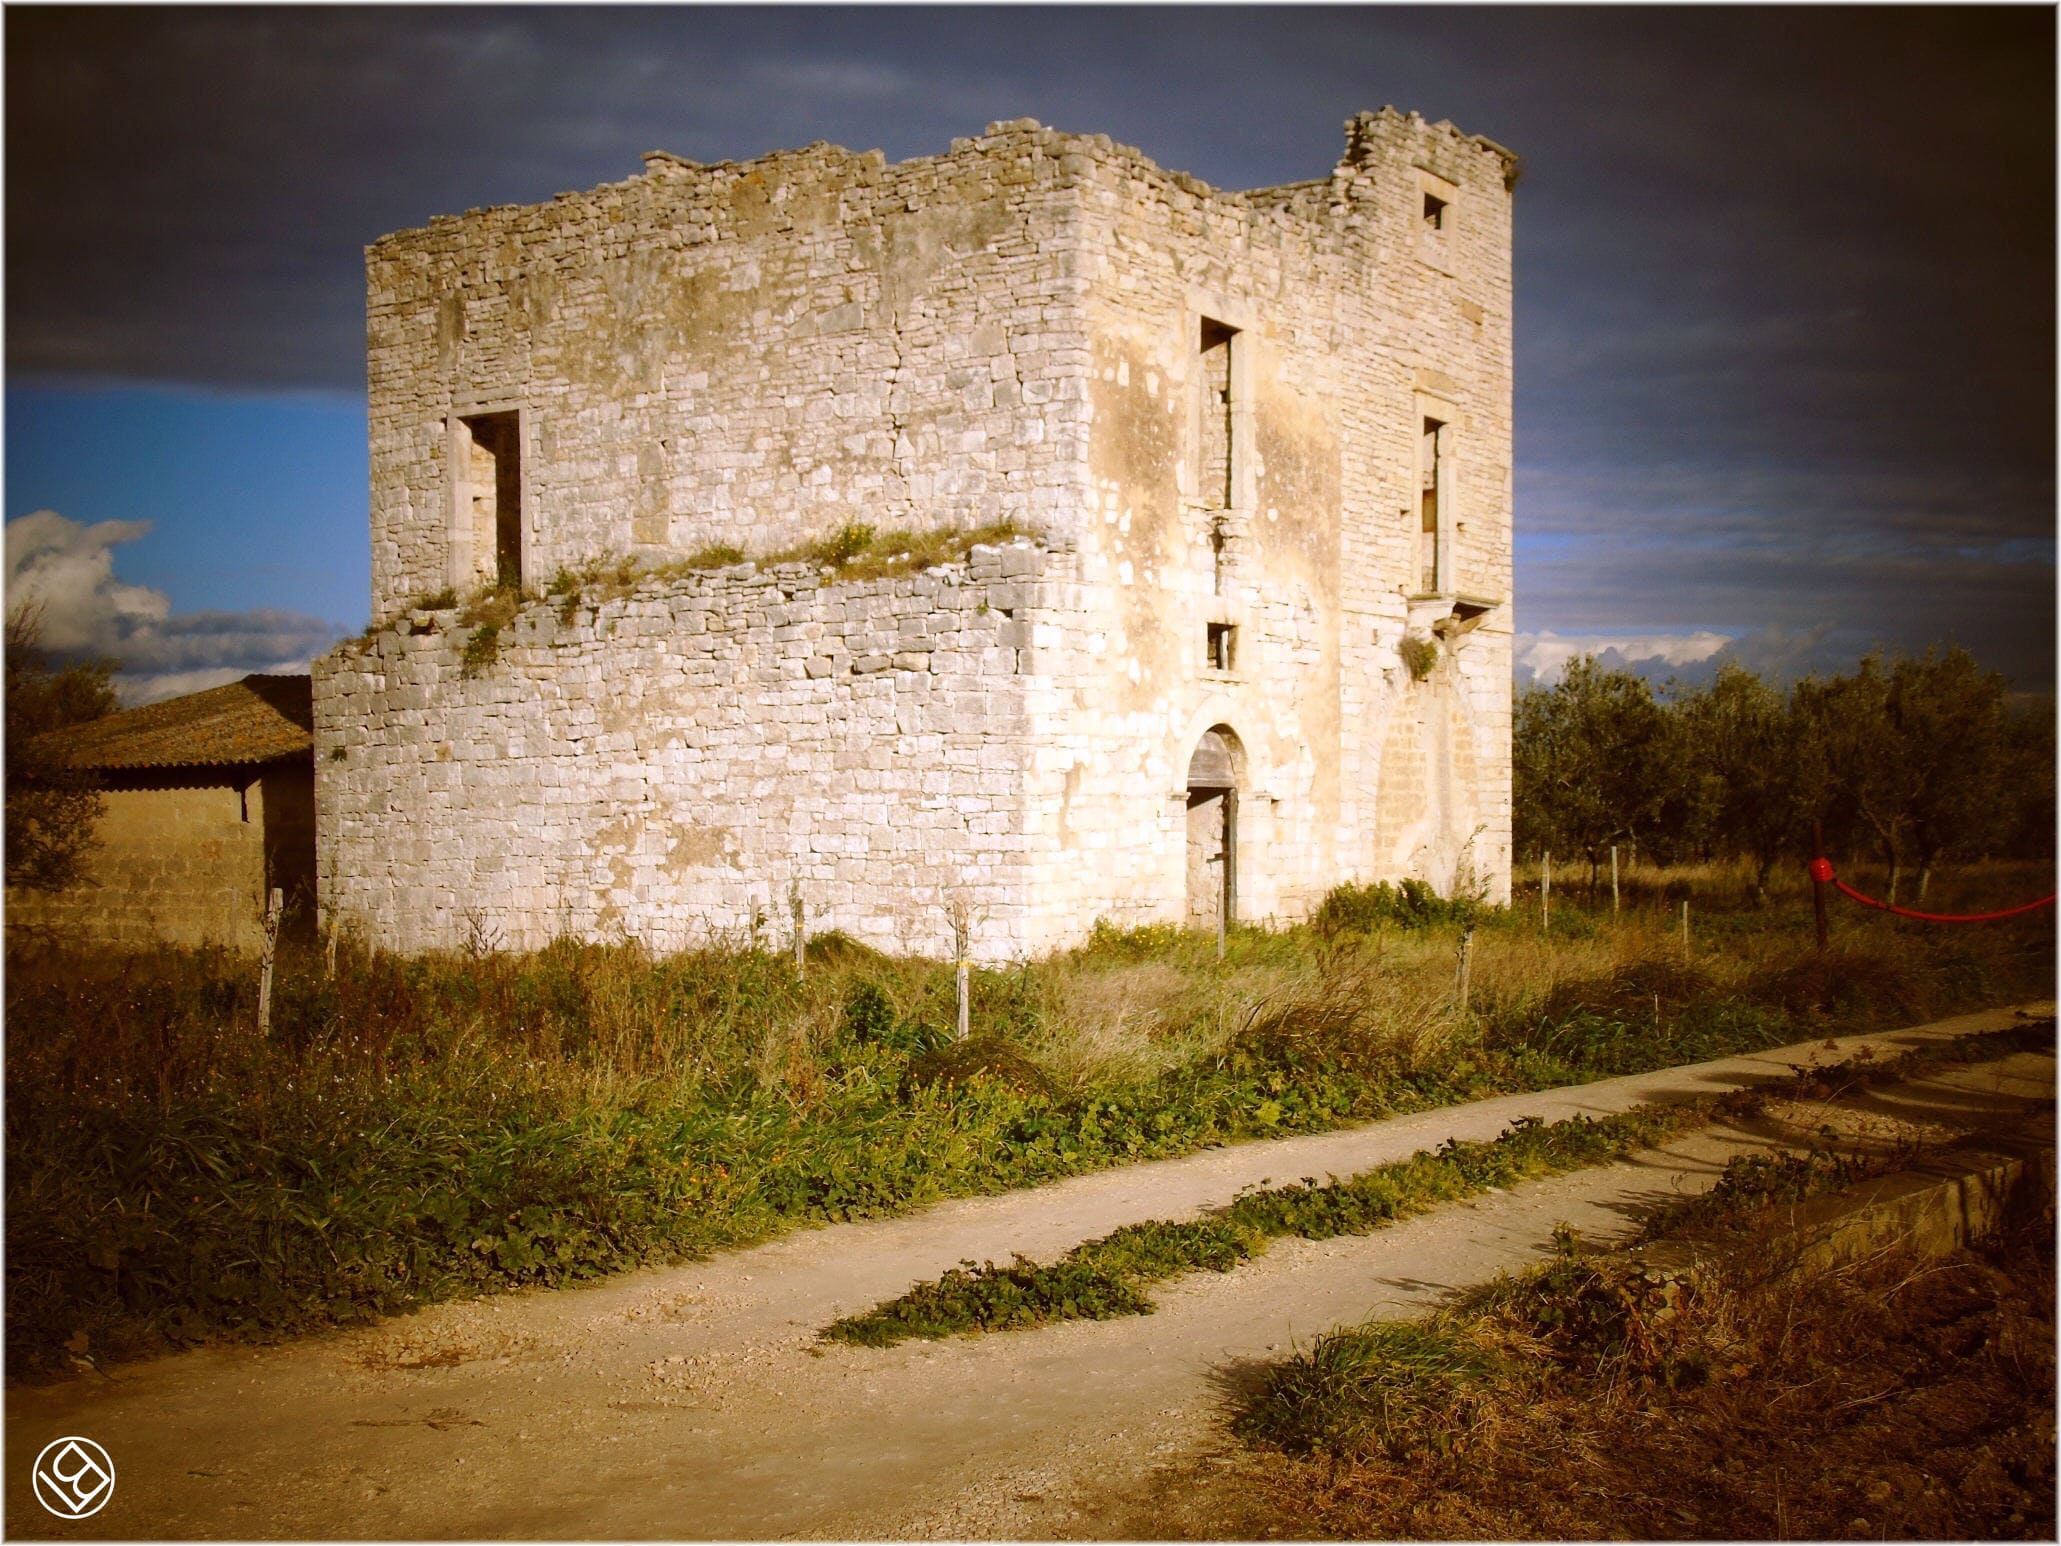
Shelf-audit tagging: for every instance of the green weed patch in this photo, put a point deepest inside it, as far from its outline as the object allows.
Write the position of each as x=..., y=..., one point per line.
x=1107, y=1277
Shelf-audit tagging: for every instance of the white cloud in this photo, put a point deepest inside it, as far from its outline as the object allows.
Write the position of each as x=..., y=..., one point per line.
x=65, y=569
x=1542, y=656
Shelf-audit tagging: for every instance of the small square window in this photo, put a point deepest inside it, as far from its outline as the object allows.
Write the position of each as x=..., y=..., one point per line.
x=1221, y=646
x=1434, y=212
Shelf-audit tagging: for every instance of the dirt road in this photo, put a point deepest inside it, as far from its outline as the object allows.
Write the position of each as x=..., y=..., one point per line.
x=696, y=1401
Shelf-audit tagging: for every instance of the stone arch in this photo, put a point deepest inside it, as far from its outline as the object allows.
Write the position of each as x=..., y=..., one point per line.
x=1216, y=770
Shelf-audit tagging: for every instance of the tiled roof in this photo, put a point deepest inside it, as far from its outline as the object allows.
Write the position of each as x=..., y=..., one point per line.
x=259, y=719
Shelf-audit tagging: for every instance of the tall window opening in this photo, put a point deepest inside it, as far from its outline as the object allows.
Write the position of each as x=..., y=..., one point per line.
x=489, y=451
x=1432, y=449
x=1214, y=483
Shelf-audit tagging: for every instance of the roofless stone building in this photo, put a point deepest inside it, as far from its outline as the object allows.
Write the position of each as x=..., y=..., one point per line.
x=1237, y=630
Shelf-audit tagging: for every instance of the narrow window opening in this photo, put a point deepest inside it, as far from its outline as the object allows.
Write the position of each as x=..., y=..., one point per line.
x=1430, y=448
x=1214, y=482
x=492, y=504
x=1220, y=646
x=1434, y=212
x=1217, y=543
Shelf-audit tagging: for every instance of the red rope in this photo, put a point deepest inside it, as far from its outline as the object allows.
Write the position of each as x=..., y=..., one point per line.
x=1821, y=870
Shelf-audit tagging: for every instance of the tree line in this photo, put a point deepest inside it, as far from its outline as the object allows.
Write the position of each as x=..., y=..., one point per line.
x=1914, y=762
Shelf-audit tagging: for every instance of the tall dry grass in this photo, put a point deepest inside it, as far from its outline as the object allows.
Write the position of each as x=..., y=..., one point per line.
x=422, y=1126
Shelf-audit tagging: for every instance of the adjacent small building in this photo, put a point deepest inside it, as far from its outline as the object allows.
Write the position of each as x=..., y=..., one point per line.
x=209, y=803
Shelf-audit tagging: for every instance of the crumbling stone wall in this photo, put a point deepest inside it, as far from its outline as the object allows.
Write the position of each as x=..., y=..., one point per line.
x=664, y=765
x=746, y=354
x=1208, y=408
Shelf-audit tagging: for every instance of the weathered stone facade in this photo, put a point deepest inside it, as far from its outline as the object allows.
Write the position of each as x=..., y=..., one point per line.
x=1256, y=441
x=186, y=857
x=207, y=805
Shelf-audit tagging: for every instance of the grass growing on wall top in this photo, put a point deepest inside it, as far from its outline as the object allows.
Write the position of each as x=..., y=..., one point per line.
x=429, y=1126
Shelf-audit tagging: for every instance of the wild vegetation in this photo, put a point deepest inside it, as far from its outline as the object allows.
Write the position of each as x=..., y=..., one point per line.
x=51, y=807
x=422, y=1127
x=1914, y=763
x=855, y=551
x=1593, y=1398
x=1107, y=1277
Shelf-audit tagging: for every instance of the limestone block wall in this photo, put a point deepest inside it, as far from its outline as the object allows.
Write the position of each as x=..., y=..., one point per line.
x=1108, y=819
x=1435, y=339
x=662, y=766
x=746, y=353
x=186, y=859
x=1346, y=325
x=1209, y=407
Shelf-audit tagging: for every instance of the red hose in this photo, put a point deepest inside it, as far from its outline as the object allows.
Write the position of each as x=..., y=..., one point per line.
x=1821, y=870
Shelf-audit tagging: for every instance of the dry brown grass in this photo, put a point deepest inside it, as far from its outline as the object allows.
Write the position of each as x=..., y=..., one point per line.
x=1892, y=1399
x=857, y=552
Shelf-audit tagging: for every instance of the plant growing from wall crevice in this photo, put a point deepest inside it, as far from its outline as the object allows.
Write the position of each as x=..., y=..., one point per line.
x=1420, y=655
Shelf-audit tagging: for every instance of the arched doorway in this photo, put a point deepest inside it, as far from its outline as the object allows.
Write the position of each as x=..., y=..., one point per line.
x=1213, y=829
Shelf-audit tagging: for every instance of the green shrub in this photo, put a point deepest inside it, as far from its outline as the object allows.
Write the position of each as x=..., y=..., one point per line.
x=715, y=555
x=482, y=649
x=1392, y=1387
x=1411, y=904
x=846, y=543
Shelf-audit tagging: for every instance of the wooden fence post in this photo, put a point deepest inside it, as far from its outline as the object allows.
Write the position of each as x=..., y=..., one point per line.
x=1685, y=928
x=1613, y=880
x=801, y=932
x=1546, y=894
x=962, y=940
x=275, y=904
x=1466, y=962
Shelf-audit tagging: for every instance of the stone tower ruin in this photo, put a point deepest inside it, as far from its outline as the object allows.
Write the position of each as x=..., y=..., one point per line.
x=1238, y=630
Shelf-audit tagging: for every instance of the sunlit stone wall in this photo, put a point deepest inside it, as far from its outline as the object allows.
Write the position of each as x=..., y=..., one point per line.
x=1207, y=410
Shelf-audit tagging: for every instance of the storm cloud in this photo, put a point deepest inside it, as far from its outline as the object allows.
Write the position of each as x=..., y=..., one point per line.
x=1785, y=277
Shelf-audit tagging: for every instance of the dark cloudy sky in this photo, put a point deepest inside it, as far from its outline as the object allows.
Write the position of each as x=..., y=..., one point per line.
x=1785, y=278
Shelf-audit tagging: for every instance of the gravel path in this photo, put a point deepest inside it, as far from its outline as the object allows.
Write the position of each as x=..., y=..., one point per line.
x=695, y=1401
